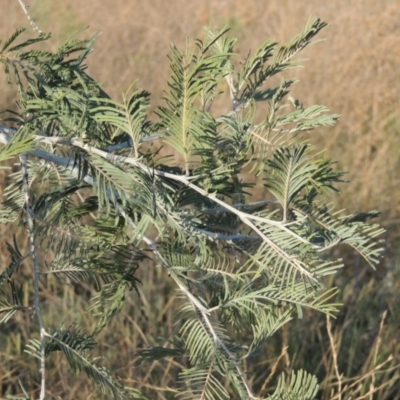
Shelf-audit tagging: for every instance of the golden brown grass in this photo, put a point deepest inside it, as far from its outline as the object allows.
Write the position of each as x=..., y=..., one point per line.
x=355, y=72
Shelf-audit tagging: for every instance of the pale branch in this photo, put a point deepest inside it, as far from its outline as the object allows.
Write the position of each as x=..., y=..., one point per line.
x=6, y=132
x=293, y=260
x=36, y=273
x=31, y=21
x=244, y=217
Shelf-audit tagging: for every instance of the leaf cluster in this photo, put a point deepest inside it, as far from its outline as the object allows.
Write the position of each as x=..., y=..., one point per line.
x=103, y=206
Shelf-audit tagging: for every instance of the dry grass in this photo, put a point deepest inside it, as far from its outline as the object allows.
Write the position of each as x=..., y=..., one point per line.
x=355, y=73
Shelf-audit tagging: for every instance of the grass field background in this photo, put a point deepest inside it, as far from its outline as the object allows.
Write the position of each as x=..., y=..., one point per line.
x=355, y=72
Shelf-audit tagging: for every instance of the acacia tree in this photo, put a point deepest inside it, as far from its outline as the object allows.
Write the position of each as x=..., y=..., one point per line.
x=244, y=268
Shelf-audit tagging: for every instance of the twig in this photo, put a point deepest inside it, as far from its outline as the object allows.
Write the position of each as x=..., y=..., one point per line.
x=334, y=355
x=357, y=381
x=36, y=273
x=375, y=356
x=31, y=21
x=273, y=369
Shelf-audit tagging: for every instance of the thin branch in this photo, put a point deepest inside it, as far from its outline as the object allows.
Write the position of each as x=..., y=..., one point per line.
x=36, y=273
x=245, y=217
x=334, y=355
x=31, y=21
